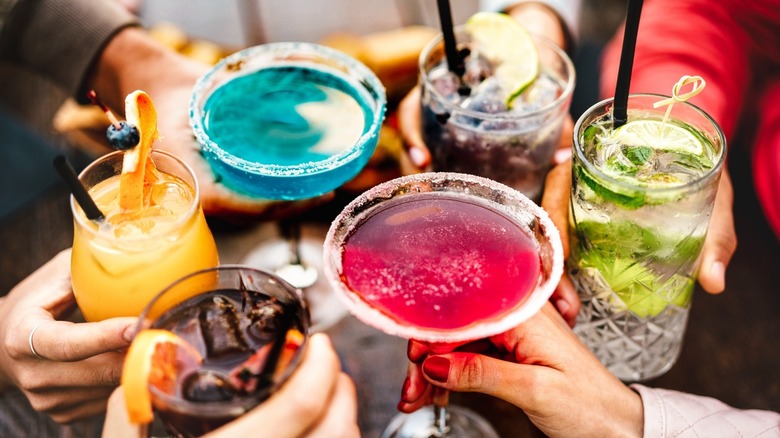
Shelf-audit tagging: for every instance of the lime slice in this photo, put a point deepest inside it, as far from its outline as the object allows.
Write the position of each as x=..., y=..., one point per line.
x=668, y=137
x=509, y=46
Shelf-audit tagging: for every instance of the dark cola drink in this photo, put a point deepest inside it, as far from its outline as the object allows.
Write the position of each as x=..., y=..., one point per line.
x=247, y=341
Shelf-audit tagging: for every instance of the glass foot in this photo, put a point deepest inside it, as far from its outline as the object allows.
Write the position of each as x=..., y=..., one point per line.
x=462, y=422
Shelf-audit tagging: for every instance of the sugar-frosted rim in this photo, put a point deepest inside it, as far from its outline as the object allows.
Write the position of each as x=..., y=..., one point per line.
x=364, y=76
x=373, y=317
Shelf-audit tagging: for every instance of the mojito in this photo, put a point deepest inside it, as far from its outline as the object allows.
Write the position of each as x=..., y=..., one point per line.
x=641, y=199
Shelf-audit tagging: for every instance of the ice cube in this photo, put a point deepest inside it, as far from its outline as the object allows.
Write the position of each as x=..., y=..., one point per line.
x=205, y=386
x=221, y=328
x=447, y=84
x=266, y=322
x=477, y=70
x=487, y=98
x=170, y=196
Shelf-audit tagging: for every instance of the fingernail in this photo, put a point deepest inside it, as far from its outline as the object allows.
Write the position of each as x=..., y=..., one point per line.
x=718, y=270
x=562, y=306
x=129, y=333
x=405, y=389
x=562, y=155
x=417, y=156
x=437, y=368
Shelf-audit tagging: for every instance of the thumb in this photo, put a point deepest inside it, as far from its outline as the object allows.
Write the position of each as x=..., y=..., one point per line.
x=468, y=372
x=65, y=341
x=721, y=240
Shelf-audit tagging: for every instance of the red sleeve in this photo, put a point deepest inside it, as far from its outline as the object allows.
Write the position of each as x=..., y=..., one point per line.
x=687, y=37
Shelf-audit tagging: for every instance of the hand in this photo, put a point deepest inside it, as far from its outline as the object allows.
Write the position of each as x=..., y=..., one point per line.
x=539, y=366
x=133, y=60
x=79, y=364
x=721, y=240
x=319, y=400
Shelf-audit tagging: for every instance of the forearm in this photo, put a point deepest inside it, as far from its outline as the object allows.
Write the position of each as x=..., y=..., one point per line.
x=60, y=39
x=672, y=413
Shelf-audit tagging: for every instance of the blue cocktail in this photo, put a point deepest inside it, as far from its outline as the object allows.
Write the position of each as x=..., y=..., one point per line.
x=287, y=120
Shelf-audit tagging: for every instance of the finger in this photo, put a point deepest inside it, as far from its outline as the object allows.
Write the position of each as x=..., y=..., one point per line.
x=721, y=240
x=555, y=200
x=117, y=423
x=65, y=341
x=415, y=385
x=341, y=416
x=424, y=400
x=101, y=370
x=409, y=125
x=416, y=351
x=564, y=144
x=66, y=405
x=301, y=401
x=49, y=286
x=466, y=372
x=566, y=300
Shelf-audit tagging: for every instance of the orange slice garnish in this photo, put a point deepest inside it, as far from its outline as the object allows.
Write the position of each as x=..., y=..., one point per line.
x=138, y=170
x=155, y=357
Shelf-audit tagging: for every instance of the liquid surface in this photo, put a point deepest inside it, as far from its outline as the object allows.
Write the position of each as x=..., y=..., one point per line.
x=169, y=199
x=286, y=116
x=485, y=94
x=440, y=262
x=647, y=152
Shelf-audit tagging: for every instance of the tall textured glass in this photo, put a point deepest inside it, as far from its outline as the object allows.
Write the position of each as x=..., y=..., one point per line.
x=641, y=200
x=476, y=133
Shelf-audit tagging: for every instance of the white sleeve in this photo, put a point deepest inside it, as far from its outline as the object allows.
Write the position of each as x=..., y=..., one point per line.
x=568, y=10
x=672, y=413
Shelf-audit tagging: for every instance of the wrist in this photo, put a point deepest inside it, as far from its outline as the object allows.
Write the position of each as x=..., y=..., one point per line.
x=628, y=420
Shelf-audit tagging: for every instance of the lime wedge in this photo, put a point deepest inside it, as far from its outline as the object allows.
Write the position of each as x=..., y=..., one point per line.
x=509, y=46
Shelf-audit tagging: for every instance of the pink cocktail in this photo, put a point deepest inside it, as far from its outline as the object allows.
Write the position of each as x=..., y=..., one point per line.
x=443, y=258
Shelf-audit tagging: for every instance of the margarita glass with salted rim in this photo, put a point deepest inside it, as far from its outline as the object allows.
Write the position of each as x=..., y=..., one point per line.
x=489, y=200
x=263, y=114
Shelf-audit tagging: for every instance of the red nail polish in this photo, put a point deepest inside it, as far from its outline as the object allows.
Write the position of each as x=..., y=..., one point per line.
x=405, y=389
x=437, y=368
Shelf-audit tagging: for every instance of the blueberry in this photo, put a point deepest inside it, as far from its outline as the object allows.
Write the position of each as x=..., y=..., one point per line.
x=123, y=138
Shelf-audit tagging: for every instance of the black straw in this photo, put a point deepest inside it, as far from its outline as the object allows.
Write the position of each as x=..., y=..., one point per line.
x=454, y=61
x=78, y=190
x=620, y=111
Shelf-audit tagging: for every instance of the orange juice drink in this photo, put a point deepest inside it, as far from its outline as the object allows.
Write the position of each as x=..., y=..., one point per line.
x=118, y=266
x=153, y=230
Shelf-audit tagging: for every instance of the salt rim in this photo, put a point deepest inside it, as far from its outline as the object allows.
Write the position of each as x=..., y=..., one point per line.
x=374, y=318
x=364, y=76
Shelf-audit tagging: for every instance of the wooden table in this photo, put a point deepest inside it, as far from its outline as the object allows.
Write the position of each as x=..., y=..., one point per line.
x=731, y=348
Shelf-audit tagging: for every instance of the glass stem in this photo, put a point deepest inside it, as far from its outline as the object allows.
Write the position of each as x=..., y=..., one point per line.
x=441, y=414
